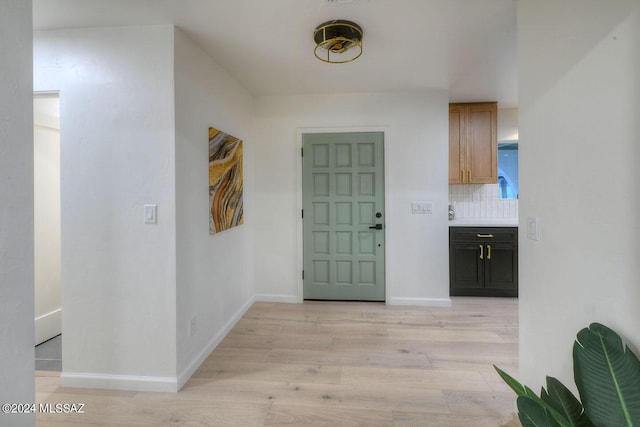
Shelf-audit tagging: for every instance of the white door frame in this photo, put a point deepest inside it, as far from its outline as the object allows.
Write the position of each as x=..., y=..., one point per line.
x=299, y=232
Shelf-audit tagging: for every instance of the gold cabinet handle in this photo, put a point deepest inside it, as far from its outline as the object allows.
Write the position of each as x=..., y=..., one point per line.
x=462, y=176
x=488, y=251
x=484, y=236
x=469, y=174
x=481, y=251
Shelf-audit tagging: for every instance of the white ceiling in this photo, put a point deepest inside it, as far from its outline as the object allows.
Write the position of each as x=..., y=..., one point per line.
x=465, y=46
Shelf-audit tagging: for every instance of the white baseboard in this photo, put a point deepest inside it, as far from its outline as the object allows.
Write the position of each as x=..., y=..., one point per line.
x=48, y=326
x=277, y=298
x=423, y=302
x=184, y=376
x=118, y=382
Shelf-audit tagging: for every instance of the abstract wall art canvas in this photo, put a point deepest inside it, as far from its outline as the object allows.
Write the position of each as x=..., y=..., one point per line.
x=225, y=181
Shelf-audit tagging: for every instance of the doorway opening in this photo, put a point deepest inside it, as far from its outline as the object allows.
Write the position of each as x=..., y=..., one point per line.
x=47, y=231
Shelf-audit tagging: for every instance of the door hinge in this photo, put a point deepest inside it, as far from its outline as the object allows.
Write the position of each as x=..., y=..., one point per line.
x=302, y=213
x=301, y=152
x=302, y=274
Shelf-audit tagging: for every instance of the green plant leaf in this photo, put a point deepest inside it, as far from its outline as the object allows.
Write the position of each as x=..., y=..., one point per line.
x=607, y=374
x=563, y=401
x=532, y=413
x=524, y=391
x=518, y=388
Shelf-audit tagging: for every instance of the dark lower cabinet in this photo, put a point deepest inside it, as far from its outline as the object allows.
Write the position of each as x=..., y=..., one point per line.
x=483, y=261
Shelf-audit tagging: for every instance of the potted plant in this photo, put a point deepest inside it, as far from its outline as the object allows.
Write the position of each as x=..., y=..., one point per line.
x=607, y=375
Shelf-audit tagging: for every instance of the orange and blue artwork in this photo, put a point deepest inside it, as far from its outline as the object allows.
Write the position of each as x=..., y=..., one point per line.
x=225, y=181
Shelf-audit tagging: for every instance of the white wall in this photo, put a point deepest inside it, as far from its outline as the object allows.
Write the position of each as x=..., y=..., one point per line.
x=507, y=124
x=215, y=279
x=46, y=187
x=117, y=154
x=579, y=149
x=416, y=162
x=16, y=210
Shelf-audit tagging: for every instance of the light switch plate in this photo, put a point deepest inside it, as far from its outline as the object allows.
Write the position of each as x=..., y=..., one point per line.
x=422, y=207
x=150, y=214
x=533, y=228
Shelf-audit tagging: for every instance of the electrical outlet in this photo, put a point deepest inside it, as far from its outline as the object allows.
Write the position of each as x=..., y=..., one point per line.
x=193, y=326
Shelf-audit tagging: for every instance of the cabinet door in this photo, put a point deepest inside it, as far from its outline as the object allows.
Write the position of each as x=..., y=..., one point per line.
x=482, y=143
x=466, y=273
x=456, y=149
x=501, y=269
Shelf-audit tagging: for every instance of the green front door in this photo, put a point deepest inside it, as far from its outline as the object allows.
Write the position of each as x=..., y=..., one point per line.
x=343, y=216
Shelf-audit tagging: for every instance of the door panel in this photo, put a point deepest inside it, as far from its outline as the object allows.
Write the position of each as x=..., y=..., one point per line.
x=467, y=268
x=502, y=271
x=483, y=149
x=343, y=197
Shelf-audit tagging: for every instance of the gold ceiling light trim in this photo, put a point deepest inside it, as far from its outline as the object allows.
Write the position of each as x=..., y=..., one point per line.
x=338, y=41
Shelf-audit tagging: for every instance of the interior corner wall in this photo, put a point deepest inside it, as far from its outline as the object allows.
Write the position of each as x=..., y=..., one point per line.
x=215, y=280
x=117, y=155
x=579, y=148
x=17, y=357
x=416, y=164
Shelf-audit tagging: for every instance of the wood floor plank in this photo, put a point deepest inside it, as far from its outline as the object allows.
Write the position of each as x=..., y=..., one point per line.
x=285, y=415
x=479, y=403
x=350, y=358
x=421, y=419
x=414, y=378
x=486, y=353
x=276, y=372
x=364, y=399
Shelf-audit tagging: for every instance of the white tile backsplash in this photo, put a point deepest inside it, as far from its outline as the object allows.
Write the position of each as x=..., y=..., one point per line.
x=481, y=201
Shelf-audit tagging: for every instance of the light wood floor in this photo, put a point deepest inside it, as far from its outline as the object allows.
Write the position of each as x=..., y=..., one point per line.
x=333, y=364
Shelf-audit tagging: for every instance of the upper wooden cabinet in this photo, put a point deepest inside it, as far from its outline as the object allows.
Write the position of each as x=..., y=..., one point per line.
x=473, y=143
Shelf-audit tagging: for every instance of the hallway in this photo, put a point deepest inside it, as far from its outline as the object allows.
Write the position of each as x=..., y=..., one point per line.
x=325, y=363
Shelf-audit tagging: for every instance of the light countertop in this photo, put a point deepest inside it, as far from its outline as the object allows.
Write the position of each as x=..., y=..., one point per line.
x=484, y=222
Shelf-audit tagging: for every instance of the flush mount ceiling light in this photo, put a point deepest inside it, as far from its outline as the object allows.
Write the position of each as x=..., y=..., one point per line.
x=338, y=41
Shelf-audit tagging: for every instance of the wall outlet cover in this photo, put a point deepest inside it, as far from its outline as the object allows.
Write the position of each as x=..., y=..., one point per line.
x=193, y=326
x=533, y=228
